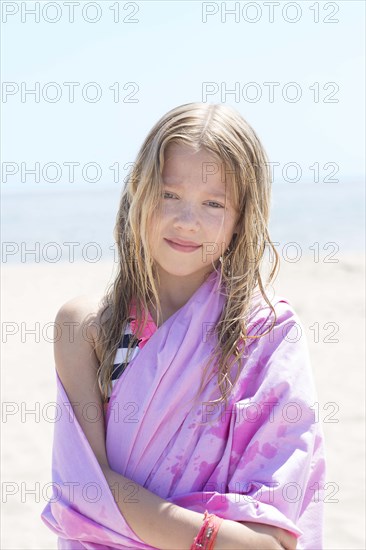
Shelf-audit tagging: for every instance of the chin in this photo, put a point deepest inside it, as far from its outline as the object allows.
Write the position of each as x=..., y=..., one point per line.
x=184, y=271
x=181, y=272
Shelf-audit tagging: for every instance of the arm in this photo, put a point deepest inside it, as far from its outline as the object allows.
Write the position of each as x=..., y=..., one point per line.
x=76, y=365
x=168, y=526
x=157, y=522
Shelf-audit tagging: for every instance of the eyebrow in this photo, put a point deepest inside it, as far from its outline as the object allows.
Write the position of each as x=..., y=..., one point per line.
x=212, y=193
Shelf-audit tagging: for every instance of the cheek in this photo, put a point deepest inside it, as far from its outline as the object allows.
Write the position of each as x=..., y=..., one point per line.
x=215, y=223
x=225, y=223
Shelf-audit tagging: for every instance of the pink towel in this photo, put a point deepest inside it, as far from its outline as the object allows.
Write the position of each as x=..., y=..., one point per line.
x=261, y=459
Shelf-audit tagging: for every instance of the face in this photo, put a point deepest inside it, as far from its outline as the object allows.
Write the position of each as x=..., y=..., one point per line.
x=193, y=208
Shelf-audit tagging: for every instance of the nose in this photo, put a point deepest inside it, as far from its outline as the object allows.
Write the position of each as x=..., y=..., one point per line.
x=186, y=219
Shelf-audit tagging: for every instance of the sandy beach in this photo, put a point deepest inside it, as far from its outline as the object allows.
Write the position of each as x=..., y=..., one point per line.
x=329, y=299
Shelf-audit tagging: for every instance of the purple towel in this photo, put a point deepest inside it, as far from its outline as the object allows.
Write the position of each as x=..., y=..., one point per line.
x=260, y=459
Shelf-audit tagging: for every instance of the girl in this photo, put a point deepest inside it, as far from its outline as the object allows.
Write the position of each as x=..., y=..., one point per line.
x=204, y=434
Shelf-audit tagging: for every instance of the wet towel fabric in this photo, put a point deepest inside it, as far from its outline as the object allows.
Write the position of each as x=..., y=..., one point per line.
x=260, y=459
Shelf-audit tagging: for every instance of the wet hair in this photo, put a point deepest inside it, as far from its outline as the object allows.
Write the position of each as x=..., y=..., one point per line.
x=222, y=132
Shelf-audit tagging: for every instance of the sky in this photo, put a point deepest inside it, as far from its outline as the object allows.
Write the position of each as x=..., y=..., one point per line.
x=158, y=55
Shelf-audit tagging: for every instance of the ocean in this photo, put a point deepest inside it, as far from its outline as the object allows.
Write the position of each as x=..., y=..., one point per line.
x=66, y=223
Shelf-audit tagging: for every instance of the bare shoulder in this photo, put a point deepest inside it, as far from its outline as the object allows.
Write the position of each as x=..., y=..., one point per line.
x=81, y=317
x=81, y=307
x=77, y=364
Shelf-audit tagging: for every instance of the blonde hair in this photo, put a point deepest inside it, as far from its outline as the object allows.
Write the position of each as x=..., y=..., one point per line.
x=222, y=132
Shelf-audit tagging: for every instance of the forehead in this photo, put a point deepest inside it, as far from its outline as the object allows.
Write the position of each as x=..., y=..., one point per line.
x=182, y=163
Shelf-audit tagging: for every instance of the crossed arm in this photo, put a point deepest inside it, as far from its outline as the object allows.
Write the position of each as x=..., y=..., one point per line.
x=155, y=521
x=170, y=527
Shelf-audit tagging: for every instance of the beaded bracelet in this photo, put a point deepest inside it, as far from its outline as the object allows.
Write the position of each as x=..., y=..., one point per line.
x=207, y=534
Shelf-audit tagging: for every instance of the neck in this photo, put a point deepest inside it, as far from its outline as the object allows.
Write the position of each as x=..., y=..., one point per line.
x=174, y=292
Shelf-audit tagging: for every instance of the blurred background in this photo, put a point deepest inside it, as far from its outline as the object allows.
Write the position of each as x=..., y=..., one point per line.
x=82, y=84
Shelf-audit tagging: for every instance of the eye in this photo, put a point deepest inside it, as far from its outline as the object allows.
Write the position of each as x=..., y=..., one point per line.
x=217, y=204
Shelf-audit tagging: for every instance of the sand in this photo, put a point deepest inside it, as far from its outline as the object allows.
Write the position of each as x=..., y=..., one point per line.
x=328, y=297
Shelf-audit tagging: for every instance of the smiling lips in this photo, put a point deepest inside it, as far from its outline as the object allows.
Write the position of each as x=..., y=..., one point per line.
x=182, y=246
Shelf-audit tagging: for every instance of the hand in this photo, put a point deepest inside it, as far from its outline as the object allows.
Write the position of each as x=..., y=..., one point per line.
x=286, y=540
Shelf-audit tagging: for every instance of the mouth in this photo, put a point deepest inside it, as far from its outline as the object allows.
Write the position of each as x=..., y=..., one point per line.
x=181, y=247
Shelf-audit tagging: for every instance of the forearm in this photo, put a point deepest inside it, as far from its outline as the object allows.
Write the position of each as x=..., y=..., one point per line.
x=167, y=526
